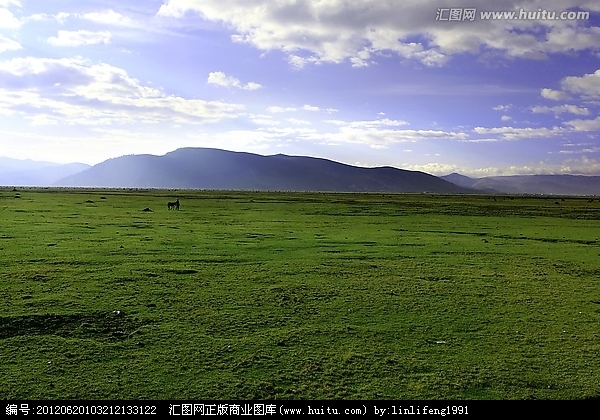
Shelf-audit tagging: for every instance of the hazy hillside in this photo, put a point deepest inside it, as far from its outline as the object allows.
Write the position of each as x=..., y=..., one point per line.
x=14, y=165
x=531, y=184
x=15, y=172
x=218, y=169
x=461, y=180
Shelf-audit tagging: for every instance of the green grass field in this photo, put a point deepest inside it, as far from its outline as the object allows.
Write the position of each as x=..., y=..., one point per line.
x=248, y=295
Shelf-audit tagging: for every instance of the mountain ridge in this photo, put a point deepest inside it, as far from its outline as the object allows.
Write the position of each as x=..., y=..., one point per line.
x=27, y=172
x=209, y=168
x=249, y=171
x=562, y=184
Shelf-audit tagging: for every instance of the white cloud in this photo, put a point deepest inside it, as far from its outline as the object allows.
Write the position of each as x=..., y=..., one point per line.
x=7, y=44
x=278, y=109
x=585, y=125
x=6, y=3
x=562, y=109
x=378, y=133
x=105, y=17
x=555, y=95
x=74, y=91
x=59, y=17
x=265, y=120
x=314, y=31
x=253, y=139
x=219, y=78
x=434, y=168
x=506, y=118
x=298, y=122
x=585, y=87
x=295, y=61
x=512, y=133
x=483, y=140
x=78, y=38
x=311, y=108
x=587, y=150
x=581, y=166
x=376, y=123
x=328, y=31
x=252, y=86
x=108, y=17
x=42, y=119
x=8, y=20
x=368, y=124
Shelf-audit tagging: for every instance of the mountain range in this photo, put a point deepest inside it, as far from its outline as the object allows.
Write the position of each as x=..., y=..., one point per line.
x=205, y=168
x=531, y=184
x=35, y=173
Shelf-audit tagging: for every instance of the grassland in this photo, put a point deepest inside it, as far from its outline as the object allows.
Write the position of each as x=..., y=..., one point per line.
x=248, y=295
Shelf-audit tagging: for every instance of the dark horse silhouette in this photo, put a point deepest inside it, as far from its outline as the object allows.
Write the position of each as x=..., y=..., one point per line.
x=173, y=205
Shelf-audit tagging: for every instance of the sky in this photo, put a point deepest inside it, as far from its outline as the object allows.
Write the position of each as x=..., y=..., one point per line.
x=433, y=86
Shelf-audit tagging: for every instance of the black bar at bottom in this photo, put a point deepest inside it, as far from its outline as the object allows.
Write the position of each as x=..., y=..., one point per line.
x=284, y=408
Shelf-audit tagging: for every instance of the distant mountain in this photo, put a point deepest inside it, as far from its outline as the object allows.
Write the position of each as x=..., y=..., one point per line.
x=461, y=180
x=204, y=168
x=13, y=165
x=15, y=172
x=531, y=184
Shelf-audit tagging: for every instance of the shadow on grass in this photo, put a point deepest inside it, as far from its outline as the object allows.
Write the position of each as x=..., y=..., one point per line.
x=111, y=326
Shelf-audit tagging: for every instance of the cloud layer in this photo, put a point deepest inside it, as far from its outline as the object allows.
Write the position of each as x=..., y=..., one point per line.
x=334, y=31
x=7, y=44
x=219, y=78
x=74, y=91
x=77, y=38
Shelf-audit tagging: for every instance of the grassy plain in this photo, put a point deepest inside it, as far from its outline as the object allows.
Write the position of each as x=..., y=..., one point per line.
x=250, y=295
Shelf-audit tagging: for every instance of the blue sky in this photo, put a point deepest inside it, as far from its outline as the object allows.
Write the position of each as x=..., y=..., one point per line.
x=370, y=83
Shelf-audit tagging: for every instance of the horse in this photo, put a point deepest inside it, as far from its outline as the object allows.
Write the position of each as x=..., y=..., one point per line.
x=173, y=205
